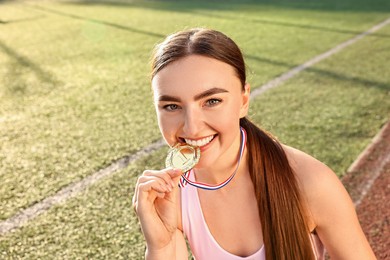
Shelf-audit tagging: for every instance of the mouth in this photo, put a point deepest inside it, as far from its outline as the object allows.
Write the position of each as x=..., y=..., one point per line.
x=199, y=142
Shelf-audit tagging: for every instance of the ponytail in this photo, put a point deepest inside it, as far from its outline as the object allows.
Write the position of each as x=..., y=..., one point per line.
x=285, y=231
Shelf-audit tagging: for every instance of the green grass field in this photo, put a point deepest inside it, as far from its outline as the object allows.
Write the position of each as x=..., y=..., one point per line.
x=74, y=92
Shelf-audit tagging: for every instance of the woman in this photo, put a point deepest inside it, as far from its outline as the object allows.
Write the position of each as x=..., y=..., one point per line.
x=275, y=202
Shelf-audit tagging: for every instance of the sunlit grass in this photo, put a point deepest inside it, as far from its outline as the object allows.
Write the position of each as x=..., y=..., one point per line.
x=98, y=224
x=333, y=109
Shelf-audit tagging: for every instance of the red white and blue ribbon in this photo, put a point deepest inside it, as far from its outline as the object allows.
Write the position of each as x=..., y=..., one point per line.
x=184, y=180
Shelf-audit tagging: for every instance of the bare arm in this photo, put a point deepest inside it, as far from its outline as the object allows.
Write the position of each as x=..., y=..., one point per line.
x=337, y=222
x=332, y=211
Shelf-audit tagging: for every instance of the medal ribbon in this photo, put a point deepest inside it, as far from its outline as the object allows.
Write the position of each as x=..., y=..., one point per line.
x=185, y=177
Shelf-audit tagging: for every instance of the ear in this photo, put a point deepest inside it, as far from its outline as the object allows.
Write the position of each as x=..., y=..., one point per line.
x=245, y=100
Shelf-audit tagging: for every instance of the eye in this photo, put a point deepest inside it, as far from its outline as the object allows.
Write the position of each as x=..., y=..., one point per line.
x=213, y=102
x=171, y=107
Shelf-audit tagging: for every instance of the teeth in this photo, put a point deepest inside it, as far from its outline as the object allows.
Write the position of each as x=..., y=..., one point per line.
x=200, y=142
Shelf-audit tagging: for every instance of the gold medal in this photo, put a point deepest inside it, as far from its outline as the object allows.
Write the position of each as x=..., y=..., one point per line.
x=183, y=157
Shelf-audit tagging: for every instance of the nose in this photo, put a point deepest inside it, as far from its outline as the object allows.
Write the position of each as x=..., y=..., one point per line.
x=192, y=122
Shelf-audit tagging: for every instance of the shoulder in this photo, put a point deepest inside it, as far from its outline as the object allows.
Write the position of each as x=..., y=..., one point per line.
x=321, y=188
x=309, y=171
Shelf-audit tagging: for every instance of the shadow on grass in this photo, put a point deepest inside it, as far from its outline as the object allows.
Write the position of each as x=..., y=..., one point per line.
x=183, y=5
x=27, y=19
x=13, y=78
x=291, y=25
x=326, y=73
x=118, y=26
x=200, y=8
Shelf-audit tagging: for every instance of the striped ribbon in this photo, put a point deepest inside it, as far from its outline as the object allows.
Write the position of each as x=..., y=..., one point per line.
x=185, y=177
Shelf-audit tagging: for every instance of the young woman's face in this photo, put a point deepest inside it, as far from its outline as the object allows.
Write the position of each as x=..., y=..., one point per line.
x=199, y=101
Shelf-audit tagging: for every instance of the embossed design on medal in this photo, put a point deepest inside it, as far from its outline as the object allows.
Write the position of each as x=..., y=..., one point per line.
x=183, y=157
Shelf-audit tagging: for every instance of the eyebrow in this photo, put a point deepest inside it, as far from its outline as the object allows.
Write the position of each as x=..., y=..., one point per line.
x=199, y=96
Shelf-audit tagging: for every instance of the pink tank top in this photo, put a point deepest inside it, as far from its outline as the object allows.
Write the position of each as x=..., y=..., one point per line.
x=202, y=243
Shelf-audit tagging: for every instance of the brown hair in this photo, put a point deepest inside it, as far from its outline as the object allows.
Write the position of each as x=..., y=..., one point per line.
x=284, y=227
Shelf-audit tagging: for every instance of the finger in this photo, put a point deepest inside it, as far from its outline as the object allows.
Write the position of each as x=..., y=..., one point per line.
x=150, y=187
x=164, y=174
x=175, y=175
x=168, y=180
x=143, y=179
x=146, y=194
x=161, y=181
x=151, y=182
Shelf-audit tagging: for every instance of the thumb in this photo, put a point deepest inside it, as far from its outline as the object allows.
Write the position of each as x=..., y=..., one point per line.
x=175, y=174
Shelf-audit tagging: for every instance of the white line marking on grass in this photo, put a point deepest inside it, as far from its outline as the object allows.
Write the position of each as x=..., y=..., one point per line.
x=365, y=155
x=294, y=71
x=72, y=190
x=369, y=148
x=374, y=175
